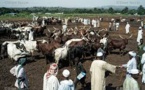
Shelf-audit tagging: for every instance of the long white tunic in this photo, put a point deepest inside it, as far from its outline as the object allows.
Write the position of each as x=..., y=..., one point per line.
x=97, y=70
x=131, y=64
x=66, y=85
x=143, y=69
x=130, y=84
x=50, y=83
x=139, y=35
x=21, y=73
x=127, y=28
x=94, y=22
x=31, y=35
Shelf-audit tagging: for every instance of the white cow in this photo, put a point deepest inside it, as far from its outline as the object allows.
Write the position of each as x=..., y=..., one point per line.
x=15, y=53
x=60, y=53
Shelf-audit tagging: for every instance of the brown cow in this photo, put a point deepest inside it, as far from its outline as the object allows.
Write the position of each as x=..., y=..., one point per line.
x=47, y=50
x=118, y=44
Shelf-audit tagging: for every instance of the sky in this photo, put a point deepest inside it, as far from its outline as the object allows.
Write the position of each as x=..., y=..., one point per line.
x=69, y=3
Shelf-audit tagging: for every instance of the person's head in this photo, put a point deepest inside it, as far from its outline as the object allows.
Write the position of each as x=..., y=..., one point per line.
x=66, y=73
x=134, y=73
x=52, y=70
x=99, y=55
x=140, y=28
x=22, y=61
x=132, y=54
x=102, y=45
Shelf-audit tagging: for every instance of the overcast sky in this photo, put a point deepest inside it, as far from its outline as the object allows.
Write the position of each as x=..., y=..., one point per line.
x=70, y=3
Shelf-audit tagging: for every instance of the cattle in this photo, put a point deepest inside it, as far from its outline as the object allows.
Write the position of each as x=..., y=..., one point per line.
x=60, y=54
x=47, y=49
x=13, y=50
x=118, y=44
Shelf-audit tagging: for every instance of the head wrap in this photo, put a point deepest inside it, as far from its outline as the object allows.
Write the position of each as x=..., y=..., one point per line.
x=99, y=54
x=53, y=69
x=21, y=61
x=140, y=28
x=66, y=73
x=132, y=53
x=134, y=71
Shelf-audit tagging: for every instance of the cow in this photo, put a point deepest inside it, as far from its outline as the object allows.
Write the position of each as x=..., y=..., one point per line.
x=118, y=44
x=47, y=49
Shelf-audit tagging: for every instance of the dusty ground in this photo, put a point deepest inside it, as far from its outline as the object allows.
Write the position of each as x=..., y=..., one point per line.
x=35, y=70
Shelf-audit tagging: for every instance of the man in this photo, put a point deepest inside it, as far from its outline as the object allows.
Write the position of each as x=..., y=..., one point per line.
x=94, y=22
x=130, y=82
x=18, y=71
x=31, y=35
x=101, y=49
x=143, y=68
x=117, y=26
x=66, y=84
x=50, y=81
x=139, y=35
x=81, y=74
x=131, y=64
x=97, y=71
x=127, y=27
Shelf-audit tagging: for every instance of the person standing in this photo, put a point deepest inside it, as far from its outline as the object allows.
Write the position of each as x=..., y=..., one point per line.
x=139, y=35
x=18, y=71
x=50, y=81
x=66, y=84
x=97, y=71
x=139, y=54
x=31, y=35
x=131, y=64
x=81, y=74
x=127, y=28
x=143, y=68
x=130, y=83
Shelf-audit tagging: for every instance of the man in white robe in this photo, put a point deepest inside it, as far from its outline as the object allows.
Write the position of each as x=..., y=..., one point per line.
x=64, y=28
x=143, y=68
x=50, y=81
x=94, y=22
x=130, y=83
x=66, y=84
x=31, y=35
x=127, y=27
x=131, y=64
x=97, y=71
x=18, y=71
x=139, y=35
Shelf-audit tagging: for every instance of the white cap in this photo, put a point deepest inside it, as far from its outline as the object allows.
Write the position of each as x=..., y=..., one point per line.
x=99, y=54
x=144, y=48
x=134, y=71
x=132, y=53
x=140, y=27
x=66, y=73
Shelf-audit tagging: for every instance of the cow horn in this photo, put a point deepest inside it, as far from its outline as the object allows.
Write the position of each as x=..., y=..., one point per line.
x=130, y=36
x=121, y=36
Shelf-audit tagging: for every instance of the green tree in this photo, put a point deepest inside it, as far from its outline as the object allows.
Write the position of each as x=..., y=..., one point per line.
x=125, y=10
x=141, y=10
x=111, y=10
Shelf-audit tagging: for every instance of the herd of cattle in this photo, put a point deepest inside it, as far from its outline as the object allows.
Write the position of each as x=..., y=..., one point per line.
x=70, y=46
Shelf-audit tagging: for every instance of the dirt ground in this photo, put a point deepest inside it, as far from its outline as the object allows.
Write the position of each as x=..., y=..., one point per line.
x=35, y=70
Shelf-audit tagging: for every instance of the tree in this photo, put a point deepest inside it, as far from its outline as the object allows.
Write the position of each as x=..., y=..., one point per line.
x=141, y=10
x=125, y=10
x=111, y=10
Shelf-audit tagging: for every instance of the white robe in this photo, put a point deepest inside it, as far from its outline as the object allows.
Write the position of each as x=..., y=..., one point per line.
x=50, y=83
x=143, y=69
x=139, y=36
x=130, y=84
x=127, y=28
x=21, y=73
x=31, y=35
x=131, y=64
x=94, y=22
x=66, y=85
x=97, y=70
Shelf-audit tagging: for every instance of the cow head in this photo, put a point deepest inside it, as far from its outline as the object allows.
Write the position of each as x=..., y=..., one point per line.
x=125, y=39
